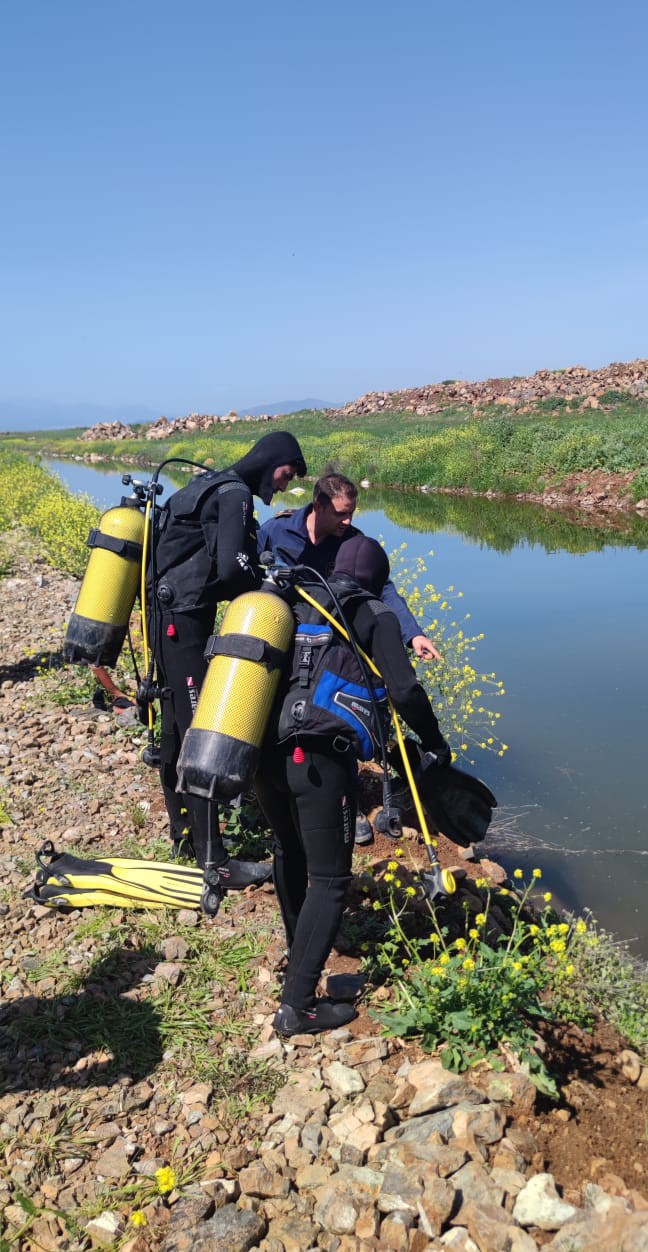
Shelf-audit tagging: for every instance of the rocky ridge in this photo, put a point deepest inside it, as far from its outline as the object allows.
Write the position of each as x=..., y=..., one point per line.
x=366, y=1145
x=579, y=387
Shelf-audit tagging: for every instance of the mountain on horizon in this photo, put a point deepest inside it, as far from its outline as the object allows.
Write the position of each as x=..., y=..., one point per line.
x=29, y=415
x=287, y=406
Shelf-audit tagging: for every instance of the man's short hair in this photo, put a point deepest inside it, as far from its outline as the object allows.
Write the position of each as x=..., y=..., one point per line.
x=331, y=485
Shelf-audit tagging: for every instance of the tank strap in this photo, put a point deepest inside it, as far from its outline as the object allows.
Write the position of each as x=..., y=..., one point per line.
x=245, y=648
x=123, y=547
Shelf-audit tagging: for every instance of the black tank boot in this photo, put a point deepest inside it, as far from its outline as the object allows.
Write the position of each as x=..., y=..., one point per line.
x=324, y=1015
x=235, y=875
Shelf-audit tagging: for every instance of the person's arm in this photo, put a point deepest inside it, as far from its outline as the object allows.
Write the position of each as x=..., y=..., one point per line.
x=381, y=635
x=235, y=542
x=411, y=633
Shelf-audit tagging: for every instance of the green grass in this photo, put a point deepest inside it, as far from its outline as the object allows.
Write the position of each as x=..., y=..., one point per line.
x=451, y=449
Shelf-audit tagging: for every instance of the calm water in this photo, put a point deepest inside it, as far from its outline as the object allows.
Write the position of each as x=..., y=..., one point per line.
x=564, y=609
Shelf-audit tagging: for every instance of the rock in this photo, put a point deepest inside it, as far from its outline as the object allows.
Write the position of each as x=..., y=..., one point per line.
x=458, y=1240
x=105, y=1229
x=400, y=1191
x=539, y=1204
x=257, y=1179
x=200, y=1093
x=394, y=1231
x=335, y=1210
x=474, y=1184
x=301, y=1102
x=489, y=1225
x=589, y=1232
x=342, y=1080
x=293, y=1234
x=115, y=1162
x=630, y=1065
x=167, y=972
x=514, y=1089
x=436, y=1204
x=231, y=1229
x=437, y=1089
x=175, y=948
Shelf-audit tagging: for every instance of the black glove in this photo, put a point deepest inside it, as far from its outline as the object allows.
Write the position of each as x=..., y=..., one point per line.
x=437, y=758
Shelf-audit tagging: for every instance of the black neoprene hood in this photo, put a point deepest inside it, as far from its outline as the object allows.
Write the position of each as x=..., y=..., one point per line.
x=258, y=465
x=363, y=559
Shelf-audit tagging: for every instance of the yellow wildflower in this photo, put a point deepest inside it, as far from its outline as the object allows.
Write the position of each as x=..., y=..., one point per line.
x=392, y=865
x=546, y=897
x=166, y=1179
x=581, y=927
x=138, y=1218
x=480, y=919
x=444, y=958
x=473, y=933
x=517, y=873
x=460, y=944
x=537, y=873
x=468, y=963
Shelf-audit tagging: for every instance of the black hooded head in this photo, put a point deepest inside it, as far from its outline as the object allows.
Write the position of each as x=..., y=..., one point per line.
x=258, y=465
x=363, y=560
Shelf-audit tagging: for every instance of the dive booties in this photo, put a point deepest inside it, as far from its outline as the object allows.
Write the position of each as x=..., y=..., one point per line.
x=460, y=805
x=236, y=875
x=324, y=1015
x=220, y=751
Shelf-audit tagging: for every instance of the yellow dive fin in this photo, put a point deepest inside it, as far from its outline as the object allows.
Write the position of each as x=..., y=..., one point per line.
x=70, y=882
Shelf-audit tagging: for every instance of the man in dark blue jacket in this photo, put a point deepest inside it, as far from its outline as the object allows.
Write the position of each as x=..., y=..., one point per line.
x=313, y=535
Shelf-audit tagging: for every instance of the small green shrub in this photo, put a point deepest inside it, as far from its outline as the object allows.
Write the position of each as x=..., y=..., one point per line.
x=471, y=992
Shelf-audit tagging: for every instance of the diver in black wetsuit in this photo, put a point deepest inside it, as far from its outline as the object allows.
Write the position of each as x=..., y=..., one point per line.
x=306, y=785
x=205, y=552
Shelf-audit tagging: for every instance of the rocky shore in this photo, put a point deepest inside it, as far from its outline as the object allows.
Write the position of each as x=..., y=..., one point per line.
x=346, y=1142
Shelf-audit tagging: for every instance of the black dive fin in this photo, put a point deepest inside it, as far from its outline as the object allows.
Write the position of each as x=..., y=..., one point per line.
x=460, y=805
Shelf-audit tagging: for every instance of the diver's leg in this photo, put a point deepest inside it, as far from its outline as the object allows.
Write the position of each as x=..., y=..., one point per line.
x=289, y=865
x=325, y=797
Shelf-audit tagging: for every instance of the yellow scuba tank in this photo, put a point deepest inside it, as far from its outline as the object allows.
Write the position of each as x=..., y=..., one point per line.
x=98, y=625
x=220, y=750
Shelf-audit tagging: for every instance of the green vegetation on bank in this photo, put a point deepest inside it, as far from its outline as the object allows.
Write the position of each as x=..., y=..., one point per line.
x=475, y=985
x=39, y=502
x=454, y=449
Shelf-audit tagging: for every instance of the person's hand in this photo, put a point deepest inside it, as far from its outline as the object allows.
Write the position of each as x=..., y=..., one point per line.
x=425, y=649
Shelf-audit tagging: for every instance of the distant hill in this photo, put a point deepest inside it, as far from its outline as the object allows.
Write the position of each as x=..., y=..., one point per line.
x=287, y=406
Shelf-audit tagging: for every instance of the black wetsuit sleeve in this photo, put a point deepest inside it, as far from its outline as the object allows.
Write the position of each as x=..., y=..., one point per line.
x=233, y=542
x=380, y=636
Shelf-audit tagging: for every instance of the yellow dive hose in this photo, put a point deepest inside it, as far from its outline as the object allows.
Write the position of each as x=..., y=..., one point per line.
x=145, y=635
x=447, y=879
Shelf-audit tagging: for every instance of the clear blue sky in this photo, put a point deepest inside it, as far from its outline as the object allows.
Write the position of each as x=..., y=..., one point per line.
x=209, y=205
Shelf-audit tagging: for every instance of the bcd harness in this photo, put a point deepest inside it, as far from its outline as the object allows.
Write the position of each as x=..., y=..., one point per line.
x=325, y=693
